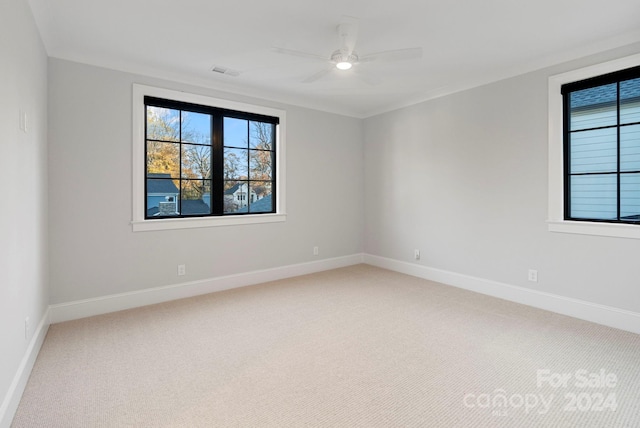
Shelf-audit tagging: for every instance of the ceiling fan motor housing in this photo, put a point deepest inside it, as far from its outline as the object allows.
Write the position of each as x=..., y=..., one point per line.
x=340, y=56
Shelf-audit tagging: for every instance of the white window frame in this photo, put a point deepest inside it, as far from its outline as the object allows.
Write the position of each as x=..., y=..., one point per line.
x=139, y=223
x=556, y=221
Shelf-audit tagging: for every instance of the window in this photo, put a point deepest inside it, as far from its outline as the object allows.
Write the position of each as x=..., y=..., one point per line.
x=209, y=159
x=594, y=149
x=200, y=161
x=602, y=148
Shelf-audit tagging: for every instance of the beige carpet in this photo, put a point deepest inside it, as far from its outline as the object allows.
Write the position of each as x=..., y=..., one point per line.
x=352, y=347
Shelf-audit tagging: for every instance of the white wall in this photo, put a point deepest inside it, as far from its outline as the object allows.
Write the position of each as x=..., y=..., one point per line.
x=463, y=178
x=23, y=171
x=93, y=251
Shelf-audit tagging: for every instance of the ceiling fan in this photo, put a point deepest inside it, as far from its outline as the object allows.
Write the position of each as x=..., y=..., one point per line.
x=345, y=57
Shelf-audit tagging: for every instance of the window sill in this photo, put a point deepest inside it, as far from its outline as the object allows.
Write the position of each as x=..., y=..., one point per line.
x=598, y=229
x=190, y=223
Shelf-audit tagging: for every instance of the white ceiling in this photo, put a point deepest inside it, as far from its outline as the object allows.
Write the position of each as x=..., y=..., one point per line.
x=465, y=43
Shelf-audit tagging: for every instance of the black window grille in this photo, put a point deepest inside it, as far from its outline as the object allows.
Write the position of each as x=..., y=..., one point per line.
x=204, y=161
x=602, y=148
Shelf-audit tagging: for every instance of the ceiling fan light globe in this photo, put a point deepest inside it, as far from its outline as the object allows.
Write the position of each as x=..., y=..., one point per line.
x=343, y=65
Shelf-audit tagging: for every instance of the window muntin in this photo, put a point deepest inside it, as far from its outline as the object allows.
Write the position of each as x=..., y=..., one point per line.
x=602, y=148
x=190, y=173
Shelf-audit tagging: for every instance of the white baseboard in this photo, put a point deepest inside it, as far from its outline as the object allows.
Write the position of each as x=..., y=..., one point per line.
x=118, y=302
x=14, y=394
x=600, y=314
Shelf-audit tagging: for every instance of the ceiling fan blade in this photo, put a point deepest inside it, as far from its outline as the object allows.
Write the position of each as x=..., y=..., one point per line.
x=371, y=81
x=394, y=55
x=298, y=53
x=348, y=34
x=317, y=75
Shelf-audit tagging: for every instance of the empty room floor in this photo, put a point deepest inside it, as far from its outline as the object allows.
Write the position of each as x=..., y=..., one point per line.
x=352, y=347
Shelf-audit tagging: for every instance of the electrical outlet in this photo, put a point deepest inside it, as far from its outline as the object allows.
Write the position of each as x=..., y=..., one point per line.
x=316, y=251
x=533, y=275
x=416, y=254
x=182, y=270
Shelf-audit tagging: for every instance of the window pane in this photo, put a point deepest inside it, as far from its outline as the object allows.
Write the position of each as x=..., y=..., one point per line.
x=193, y=195
x=162, y=195
x=236, y=164
x=630, y=101
x=236, y=132
x=630, y=148
x=196, y=128
x=594, y=197
x=163, y=124
x=196, y=161
x=163, y=158
x=236, y=196
x=259, y=198
x=261, y=163
x=630, y=196
x=594, y=107
x=263, y=202
x=261, y=136
x=594, y=151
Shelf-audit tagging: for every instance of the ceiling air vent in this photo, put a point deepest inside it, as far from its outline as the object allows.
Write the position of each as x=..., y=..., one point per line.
x=225, y=70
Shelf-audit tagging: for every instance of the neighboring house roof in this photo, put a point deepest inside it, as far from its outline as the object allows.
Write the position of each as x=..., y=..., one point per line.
x=161, y=183
x=153, y=211
x=261, y=205
x=232, y=190
x=235, y=188
x=601, y=96
x=189, y=207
